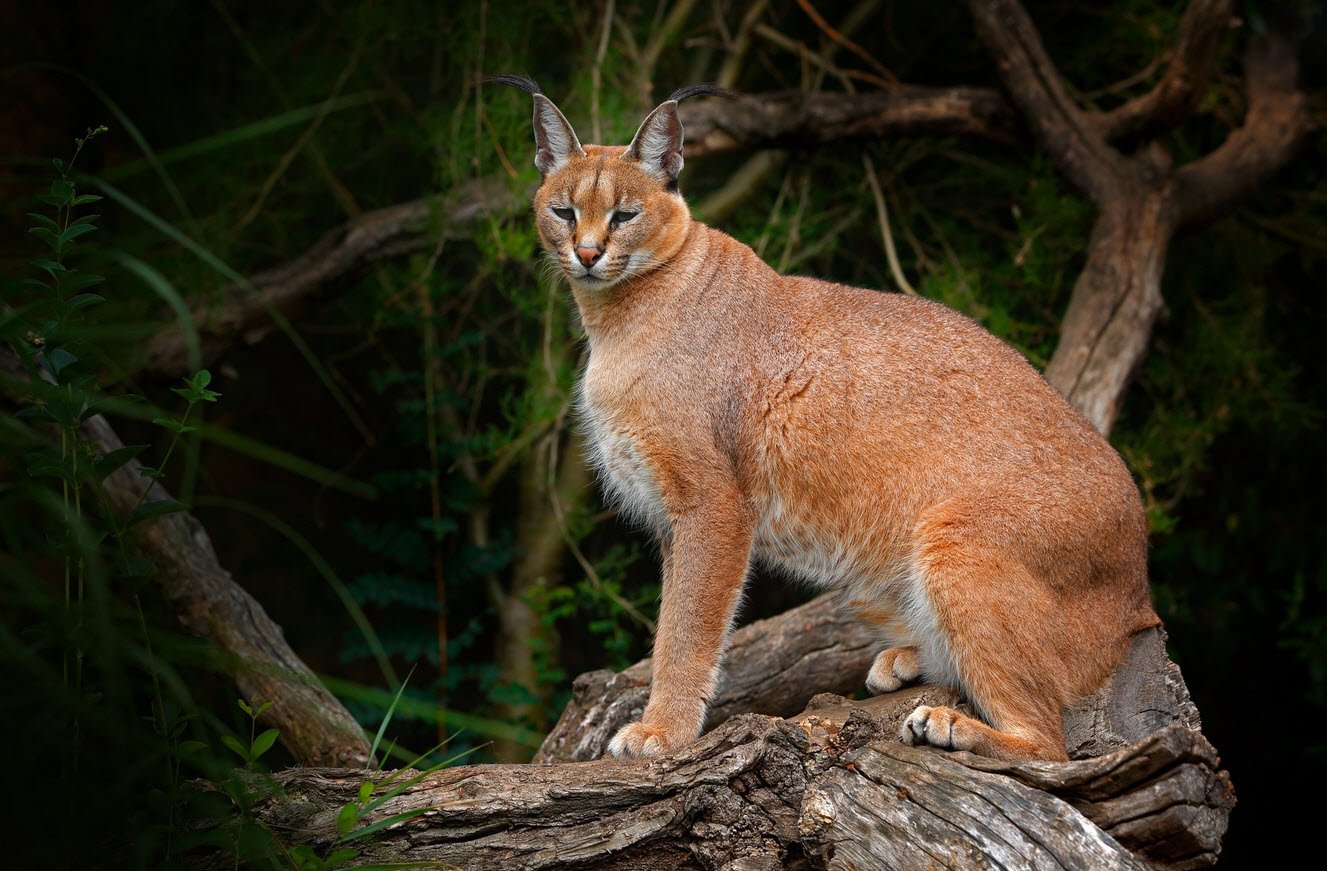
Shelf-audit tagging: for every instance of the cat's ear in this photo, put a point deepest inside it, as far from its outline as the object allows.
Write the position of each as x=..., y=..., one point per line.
x=555, y=141
x=657, y=145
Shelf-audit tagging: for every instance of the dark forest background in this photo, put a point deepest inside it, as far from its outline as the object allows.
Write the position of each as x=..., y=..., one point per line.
x=393, y=472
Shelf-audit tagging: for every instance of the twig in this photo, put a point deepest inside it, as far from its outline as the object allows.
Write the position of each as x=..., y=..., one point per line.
x=809, y=54
x=882, y=215
x=300, y=144
x=597, y=73
x=886, y=76
x=732, y=65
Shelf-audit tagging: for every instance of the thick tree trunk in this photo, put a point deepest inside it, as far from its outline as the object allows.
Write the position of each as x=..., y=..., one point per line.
x=1115, y=304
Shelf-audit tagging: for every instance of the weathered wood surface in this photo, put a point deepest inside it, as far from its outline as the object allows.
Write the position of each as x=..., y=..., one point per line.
x=828, y=788
x=774, y=666
x=831, y=788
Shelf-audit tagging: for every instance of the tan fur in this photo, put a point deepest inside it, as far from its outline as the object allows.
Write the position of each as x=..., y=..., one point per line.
x=880, y=444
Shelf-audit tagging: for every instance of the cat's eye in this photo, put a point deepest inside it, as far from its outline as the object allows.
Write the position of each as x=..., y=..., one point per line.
x=564, y=214
x=623, y=217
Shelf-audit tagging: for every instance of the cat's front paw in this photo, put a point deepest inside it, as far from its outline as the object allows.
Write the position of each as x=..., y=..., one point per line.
x=638, y=739
x=940, y=727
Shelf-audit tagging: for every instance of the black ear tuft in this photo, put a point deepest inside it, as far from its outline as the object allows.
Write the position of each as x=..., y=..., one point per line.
x=704, y=89
x=525, y=83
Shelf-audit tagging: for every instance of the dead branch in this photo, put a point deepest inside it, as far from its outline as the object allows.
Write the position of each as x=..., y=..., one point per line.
x=1191, y=65
x=1062, y=128
x=801, y=120
x=1275, y=125
x=243, y=313
x=314, y=726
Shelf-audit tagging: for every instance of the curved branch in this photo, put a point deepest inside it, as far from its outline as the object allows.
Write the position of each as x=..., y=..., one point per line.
x=1275, y=124
x=1063, y=129
x=1192, y=63
x=243, y=315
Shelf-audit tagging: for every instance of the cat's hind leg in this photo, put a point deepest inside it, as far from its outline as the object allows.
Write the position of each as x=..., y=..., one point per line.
x=986, y=621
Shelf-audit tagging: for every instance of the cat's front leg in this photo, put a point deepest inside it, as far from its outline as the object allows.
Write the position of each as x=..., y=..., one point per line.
x=705, y=566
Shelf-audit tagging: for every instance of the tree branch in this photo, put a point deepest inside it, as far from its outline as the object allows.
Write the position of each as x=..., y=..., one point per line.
x=314, y=726
x=1275, y=123
x=1063, y=129
x=797, y=120
x=1192, y=63
x=245, y=316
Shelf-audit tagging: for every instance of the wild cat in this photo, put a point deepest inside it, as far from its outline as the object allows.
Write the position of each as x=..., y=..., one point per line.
x=876, y=443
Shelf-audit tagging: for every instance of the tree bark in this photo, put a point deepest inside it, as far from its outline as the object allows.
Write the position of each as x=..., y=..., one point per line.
x=314, y=726
x=831, y=787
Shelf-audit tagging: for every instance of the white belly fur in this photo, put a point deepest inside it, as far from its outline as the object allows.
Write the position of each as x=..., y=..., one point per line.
x=624, y=474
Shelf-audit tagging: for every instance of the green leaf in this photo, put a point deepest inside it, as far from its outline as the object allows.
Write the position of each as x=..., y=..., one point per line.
x=189, y=748
x=59, y=358
x=73, y=233
x=108, y=463
x=34, y=412
x=50, y=266
x=86, y=219
x=200, y=379
x=51, y=199
x=244, y=706
x=173, y=425
x=264, y=708
x=45, y=220
x=233, y=743
x=149, y=510
x=149, y=472
x=83, y=199
x=82, y=301
x=263, y=743
x=381, y=824
x=74, y=280
x=48, y=464
x=62, y=189
x=346, y=819
x=337, y=858
x=365, y=790
x=47, y=236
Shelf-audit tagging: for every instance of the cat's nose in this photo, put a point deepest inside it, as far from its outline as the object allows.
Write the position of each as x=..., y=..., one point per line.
x=589, y=255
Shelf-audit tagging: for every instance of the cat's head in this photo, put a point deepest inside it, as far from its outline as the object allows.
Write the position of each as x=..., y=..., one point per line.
x=607, y=213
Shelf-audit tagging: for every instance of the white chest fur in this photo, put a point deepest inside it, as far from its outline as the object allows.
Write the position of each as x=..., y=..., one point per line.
x=623, y=471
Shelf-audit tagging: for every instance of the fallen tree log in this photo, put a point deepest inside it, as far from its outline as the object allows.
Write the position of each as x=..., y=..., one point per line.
x=829, y=787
